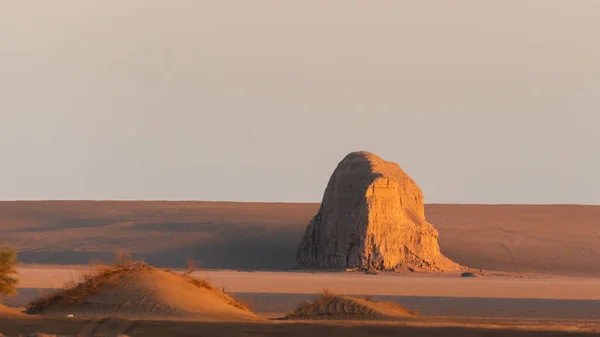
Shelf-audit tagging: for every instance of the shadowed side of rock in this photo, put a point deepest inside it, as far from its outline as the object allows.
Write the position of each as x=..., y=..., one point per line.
x=371, y=217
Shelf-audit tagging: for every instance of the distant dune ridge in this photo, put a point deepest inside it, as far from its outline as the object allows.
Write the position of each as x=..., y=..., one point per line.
x=551, y=239
x=372, y=217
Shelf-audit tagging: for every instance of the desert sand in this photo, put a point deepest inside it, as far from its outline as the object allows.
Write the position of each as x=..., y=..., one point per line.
x=331, y=306
x=555, y=239
x=9, y=312
x=137, y=290
x=538, y=261
x=275, y=294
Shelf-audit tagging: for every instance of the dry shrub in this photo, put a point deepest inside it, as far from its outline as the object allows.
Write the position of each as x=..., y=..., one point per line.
x=122, y=258
x=97, y=263
x=242, y=305
x=8, y=271
x=327, y=294
x=324, y=296
x=192, y=266
x=90, y=282
x=199, y=283
x=206, y=285
x=303, y=304
x=239, y=303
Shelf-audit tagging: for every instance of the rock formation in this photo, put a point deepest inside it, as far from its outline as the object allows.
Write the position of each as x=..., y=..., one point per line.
x=372, y=217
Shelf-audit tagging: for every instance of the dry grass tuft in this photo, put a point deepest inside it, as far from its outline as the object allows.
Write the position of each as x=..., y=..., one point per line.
x=195, y=281
x=122, y=259
x=327, y=294
x=192, y=266
x=207, y=285
x=241, y=304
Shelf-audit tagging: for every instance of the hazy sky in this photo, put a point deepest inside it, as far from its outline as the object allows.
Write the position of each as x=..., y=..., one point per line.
x=479, y=101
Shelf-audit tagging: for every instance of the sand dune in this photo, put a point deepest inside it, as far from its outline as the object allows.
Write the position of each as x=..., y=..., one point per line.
x=9, y=312
x=556, y=239
x=336, y=307
x=139, y=290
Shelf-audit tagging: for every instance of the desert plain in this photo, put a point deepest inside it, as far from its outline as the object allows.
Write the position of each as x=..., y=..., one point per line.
x=537, y=267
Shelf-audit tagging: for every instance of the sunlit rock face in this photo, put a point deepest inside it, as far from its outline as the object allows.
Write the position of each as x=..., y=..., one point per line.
x=372, y=217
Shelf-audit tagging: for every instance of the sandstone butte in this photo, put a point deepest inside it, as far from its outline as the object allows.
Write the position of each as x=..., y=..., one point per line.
x=372, y=217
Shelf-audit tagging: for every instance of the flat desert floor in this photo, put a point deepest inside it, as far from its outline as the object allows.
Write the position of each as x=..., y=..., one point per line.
x=273, y=294
x=448, y=305
x=541, y=263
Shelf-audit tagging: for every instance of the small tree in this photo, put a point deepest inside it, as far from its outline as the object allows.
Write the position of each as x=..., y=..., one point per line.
x=8, y=272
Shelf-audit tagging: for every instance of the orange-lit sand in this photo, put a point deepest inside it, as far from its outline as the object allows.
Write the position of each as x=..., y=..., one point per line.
x=539, y=263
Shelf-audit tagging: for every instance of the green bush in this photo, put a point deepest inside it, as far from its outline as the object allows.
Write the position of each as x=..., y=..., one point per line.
x=8, y=271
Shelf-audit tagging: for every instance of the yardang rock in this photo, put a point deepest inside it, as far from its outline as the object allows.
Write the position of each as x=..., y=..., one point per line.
x=372, y=217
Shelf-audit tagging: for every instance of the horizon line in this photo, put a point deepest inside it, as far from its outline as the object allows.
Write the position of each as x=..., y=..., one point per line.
x=275, y=202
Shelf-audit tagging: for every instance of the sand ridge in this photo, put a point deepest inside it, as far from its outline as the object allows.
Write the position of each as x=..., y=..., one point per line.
x=9, y=312
x=336, y=307
x=141, y=291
